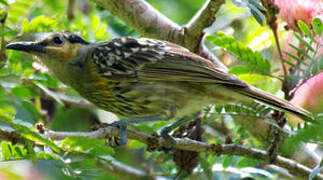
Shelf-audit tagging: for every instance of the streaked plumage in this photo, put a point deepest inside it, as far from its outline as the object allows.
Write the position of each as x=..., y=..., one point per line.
x=137, y=77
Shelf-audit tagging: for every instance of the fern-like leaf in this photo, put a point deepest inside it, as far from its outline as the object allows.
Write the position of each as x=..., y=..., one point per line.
x=253, y=59
x=253, y=110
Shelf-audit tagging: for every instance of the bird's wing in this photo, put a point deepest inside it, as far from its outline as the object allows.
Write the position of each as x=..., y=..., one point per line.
x=130, y=59
x=154, y=60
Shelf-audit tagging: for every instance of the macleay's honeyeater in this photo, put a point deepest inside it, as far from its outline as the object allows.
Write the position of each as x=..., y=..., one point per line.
x=139, y=77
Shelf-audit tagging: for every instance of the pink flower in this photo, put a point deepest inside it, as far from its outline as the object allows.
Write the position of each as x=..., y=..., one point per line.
x=292, y=11
x=310, y=94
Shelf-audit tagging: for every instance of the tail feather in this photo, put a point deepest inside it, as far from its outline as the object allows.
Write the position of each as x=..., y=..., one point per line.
x=275, y=102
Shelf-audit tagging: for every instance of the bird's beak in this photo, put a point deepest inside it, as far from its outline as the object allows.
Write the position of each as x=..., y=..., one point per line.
x=30, y=47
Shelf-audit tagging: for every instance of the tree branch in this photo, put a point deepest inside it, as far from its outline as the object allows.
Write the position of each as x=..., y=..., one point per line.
x=155, y=142
x=144, y=18
x=151, y=23
x=11, y=135
x=202, y=19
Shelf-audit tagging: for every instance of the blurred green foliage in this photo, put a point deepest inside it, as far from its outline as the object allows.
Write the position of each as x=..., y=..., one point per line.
x=28, y=92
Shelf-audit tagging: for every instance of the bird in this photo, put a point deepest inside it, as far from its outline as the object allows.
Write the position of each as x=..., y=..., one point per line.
x=145, y=79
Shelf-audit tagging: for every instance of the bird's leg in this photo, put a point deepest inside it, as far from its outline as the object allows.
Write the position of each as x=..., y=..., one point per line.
x=123, y=123
x=166, y=130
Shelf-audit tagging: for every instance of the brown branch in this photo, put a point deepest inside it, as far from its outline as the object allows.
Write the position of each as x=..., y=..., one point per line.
x=201, y=20
x=191, y=145
x=144, y=18
x=262, y=129
x=11, y=135
x=183, y=144
x=151, y=23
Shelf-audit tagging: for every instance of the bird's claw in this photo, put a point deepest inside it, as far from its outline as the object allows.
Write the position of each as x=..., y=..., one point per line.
x=122, y=141
x=122, y=125
x=171, y=142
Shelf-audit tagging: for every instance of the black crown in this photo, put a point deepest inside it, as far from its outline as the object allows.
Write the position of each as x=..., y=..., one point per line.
x=73, y=38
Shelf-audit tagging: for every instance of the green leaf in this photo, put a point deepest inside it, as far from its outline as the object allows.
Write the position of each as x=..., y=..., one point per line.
x=6, y=150
x=308, y=46
x=317, y=26
x=32, y=109
x=257, y=14
x=34, y=136
x=227, y=161
x=301, y=51
x=82, y=144
x=20, y=152
x=45, y=79
x=39, y=24
x=24, y=92
x=4, y=2
x=293, y=65
x=252, y=59
x=240, y=3
x=206, y=166
x=27, y=132
x=246, y=162
x=47, y=156
x=240, y=69
x=254, y=7
x=299, y=60
x=228, y=108
x=31, y=151
x=7, y=112
x=99, y=28
x=306, y=30
x=19, y=9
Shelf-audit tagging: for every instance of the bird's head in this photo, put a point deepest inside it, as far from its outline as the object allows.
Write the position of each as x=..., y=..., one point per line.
x=57, y=51
x=55, y=47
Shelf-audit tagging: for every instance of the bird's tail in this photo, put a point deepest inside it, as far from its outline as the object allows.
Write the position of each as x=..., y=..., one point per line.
x=275, y=102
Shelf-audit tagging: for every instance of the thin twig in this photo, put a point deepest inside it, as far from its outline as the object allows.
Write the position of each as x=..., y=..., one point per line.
x=70, y=10
x=279, y=50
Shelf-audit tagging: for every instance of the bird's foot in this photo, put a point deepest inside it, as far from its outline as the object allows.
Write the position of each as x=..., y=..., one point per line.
x=170, y=141
x=115, y=141
x=122, y=125
x=122, y=140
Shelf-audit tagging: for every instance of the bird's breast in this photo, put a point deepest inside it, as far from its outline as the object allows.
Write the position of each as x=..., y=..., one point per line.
x=138, y=99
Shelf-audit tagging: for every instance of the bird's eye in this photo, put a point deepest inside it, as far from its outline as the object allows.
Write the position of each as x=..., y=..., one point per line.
x=58, y=40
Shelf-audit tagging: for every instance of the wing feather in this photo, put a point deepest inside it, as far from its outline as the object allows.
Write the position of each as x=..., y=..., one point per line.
x=153, y=60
